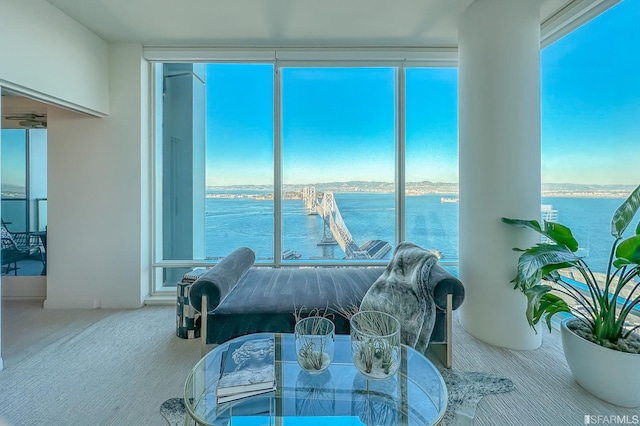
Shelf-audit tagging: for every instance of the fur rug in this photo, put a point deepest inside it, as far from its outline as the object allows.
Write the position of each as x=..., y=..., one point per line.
x=465, y=389
x=174, y=411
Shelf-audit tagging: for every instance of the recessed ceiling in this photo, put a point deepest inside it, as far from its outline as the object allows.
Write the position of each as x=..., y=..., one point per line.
x=19, y=112
x=384, y=23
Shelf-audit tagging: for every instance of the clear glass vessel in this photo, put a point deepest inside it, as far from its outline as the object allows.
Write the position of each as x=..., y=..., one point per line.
x=315, y=340
x=375, y=344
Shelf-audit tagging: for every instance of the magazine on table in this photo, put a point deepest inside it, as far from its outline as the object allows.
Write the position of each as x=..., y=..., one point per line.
x=237, y=396
x=247, y=367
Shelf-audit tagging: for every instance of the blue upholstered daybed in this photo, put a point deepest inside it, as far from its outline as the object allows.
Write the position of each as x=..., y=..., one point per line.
x=242, y=298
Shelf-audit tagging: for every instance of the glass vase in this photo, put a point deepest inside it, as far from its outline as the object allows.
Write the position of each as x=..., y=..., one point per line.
x=315, y=340
x=375, y=344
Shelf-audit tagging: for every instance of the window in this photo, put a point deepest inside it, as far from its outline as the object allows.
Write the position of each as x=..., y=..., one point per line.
x=14, y=179
x=338, y=141
x=590, y=110
x=24, y=187
x=432, y=159
x=239, y=152
x=590, y=130
x=301, y=163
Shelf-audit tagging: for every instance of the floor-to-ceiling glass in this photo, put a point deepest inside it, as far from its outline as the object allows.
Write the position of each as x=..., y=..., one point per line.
x=338, y=163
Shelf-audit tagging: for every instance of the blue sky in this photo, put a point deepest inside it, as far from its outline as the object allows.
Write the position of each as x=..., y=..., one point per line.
x=337, y=124
x=13, y=157
x=591, y=101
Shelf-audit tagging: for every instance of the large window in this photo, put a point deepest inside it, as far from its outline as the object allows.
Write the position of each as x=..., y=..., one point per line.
x=239, y=152
x=24, y=179
x=24, y=190
x=304, y=164
x=432, y=159
x=591, y=128
x=338, y=142
x=14, y=179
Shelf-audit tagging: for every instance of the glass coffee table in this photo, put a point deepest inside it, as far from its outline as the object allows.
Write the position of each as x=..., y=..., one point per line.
x=416, y=395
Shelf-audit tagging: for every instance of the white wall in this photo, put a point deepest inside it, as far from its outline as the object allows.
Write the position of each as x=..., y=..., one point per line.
x=98, y=237
x=98, y=195
x=46, y=54
x=24, y=287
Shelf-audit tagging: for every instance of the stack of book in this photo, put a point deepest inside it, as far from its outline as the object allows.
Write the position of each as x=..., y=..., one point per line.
x=247, y=369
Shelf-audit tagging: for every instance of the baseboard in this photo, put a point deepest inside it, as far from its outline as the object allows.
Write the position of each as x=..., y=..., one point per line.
x=164, y=300
x=30, y=287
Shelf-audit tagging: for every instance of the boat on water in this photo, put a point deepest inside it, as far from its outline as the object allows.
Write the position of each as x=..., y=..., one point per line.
x=376, y=249
x=289, y=254
x=449, y=200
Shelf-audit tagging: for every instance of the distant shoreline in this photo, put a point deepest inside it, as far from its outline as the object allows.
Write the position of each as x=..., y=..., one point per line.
x=573, y=194
x=297, y=195
x=446, y=189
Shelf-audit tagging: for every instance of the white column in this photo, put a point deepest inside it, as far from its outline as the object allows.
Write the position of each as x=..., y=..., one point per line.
x=499, y=116
x=183, y=148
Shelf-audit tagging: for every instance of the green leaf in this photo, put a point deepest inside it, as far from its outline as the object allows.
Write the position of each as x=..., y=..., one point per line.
x=540, y=261
x=561, y=235
x=534, y=294
x=520, y=223
x=620, y=262
x=552, y=304
x=625, y=213
x=629, y=250
x=540, y=302
x=554, y=231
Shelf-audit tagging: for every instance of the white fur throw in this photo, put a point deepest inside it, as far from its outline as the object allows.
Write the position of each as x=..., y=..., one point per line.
x=404, y=292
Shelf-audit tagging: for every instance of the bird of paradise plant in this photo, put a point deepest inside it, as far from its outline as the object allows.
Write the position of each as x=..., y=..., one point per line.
x=604, y=306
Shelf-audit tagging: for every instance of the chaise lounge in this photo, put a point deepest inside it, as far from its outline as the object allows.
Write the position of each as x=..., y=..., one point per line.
x=241, y=298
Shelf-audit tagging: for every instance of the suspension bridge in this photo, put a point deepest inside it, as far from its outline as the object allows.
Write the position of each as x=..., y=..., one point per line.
x=335, y=229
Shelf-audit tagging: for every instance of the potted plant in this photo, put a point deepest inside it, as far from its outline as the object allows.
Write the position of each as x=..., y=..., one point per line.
x=601, y=348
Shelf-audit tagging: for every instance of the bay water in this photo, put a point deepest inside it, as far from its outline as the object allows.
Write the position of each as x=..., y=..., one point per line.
x=431, y=223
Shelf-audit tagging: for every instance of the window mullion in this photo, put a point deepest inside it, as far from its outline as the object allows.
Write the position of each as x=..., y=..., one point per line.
x=400, y=154
x=277, y=169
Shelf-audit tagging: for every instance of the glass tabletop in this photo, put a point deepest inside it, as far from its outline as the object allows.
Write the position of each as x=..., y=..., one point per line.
x=416, y=395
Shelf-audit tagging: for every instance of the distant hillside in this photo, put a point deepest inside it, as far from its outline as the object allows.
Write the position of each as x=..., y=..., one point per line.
x=427, y=187
x=580, y=190
x=424, y=187
x=13, y=191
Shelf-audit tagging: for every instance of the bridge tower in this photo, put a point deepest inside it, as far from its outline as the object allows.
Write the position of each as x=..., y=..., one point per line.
x=310, y=199
x=335, y=231
x=326, y=210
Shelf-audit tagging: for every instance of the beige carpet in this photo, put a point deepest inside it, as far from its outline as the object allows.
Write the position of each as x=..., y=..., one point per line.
x=96, y=367
x=116, y=367
x=545, y=393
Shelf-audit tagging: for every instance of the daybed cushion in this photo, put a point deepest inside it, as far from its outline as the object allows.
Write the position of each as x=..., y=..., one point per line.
x=268, y=307
x=217, y=282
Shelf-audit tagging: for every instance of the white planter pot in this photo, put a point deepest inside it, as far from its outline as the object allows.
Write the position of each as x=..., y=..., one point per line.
x=611, y=375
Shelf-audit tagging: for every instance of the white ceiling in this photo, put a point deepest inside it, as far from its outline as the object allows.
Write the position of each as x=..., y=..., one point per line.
x=284, y=23
x=382, y=23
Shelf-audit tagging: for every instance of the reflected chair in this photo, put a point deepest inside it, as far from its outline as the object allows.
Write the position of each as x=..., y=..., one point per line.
x=17, y=246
